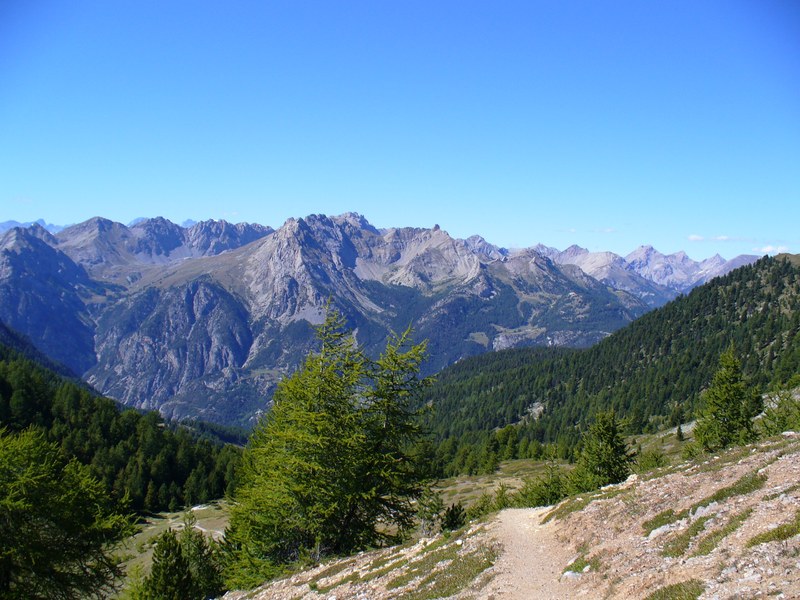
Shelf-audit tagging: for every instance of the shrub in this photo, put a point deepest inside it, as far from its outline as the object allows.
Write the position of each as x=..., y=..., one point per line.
x=454, y=517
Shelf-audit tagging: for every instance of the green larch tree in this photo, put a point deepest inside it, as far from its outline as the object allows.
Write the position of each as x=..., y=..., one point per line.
x=58, y=524
x=170, y=577
x=328, y=470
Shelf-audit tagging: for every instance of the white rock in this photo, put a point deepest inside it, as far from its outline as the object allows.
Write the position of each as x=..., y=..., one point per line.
x=660, y=530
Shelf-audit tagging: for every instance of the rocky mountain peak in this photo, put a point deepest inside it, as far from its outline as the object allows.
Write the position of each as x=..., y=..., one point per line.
x=547, y=251
x=572, y=252
x=355, y=221
x=209, y=238
x=158, y=236
x=37, y=230
x=481, y=247
x=643, y=255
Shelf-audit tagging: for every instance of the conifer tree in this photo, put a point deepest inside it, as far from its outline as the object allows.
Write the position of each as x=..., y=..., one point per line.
x=186, y=565
x=604, y=457
x=730, y=406
x=58, y=524
x=329, y=469
x=170, y=578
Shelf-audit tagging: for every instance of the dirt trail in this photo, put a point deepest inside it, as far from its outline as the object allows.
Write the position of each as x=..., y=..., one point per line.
x=532, y=561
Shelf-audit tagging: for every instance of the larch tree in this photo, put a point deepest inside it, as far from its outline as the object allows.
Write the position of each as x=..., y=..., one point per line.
x=59, y=526
x=329, y=469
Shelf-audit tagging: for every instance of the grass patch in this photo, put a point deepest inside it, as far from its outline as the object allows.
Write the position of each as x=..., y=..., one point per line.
x=389, y=558
x=576, y=503
x=778, y=534
x=788, y=490
x=460, y=573
x=568, y=506
x=718, y=463
x=707, y=544
x=665, y=517
x=580, y=563
x=746, y=485
x=352, y=578
x=330, y=571
x=660, y=472
x=439, y=543
x=384, y=570
x=686, y=590
x=678, y=545
x=334, y=569
x=423, y=566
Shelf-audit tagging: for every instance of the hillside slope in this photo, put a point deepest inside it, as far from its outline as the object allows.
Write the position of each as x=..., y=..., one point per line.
x=697, y=522
x=652, y=371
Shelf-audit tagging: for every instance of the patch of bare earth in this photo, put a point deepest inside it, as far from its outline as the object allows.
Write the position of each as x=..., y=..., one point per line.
x=626, y=559
x=692, y=523
x=532, y=559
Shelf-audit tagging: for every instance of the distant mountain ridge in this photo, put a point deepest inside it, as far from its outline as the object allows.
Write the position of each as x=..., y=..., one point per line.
x=6, y=225
x=204, y=320
x=646, y=272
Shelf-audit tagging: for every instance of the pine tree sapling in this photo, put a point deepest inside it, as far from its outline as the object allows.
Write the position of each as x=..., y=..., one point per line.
x=203, y=557
x=185, y=566
x=604, y=457
x=169, y=577
x=730, y=406
x=454, y=517
x=545, y=489
x=781, y=414
x=429, y=511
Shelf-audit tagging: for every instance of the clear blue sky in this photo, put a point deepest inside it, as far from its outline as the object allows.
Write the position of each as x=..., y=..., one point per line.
x=608, y=124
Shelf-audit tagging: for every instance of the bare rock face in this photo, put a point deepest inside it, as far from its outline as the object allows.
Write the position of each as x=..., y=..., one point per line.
x=46, y=296
x=204, y=321
x=157, y=346
x=209, y=238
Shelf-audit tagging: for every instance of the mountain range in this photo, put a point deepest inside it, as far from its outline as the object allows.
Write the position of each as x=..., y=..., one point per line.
x=202, y=321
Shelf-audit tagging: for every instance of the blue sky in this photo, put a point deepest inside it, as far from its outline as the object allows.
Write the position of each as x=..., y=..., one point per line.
x=606, y=124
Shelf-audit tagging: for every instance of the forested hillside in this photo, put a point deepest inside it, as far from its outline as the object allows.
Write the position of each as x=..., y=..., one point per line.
x=158, y=466
x=651, y=372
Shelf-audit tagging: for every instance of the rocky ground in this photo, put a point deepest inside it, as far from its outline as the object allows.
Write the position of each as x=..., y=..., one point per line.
x=722, y=528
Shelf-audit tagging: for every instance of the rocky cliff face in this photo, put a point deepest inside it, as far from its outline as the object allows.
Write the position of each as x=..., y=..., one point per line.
x=203, y=321
x=47, y=297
